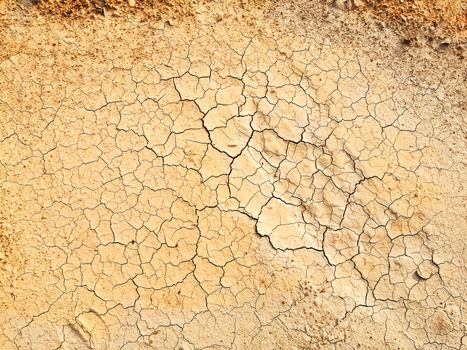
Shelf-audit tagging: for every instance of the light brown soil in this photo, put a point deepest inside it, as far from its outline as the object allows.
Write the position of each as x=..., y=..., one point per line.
x=448, y=17
x=231, y=175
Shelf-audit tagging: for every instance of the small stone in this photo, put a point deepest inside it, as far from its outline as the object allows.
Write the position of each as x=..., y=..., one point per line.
x=346, y=5
x=406, y=41
x=445, y=43
x=356, y=3
x=132, y=3
x=426, y=269
x=341, y=4
x=381, y=24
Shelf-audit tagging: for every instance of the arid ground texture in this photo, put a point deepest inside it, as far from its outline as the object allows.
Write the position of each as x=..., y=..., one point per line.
x=233, y=175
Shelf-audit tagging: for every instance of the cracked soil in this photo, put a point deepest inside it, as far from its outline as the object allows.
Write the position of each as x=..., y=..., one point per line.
x=228, y=175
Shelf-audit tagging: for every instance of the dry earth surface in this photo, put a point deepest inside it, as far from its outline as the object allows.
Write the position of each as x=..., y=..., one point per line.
x=231, y=175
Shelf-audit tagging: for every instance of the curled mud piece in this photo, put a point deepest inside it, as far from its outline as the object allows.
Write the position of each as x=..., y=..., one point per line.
x=227, y=175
